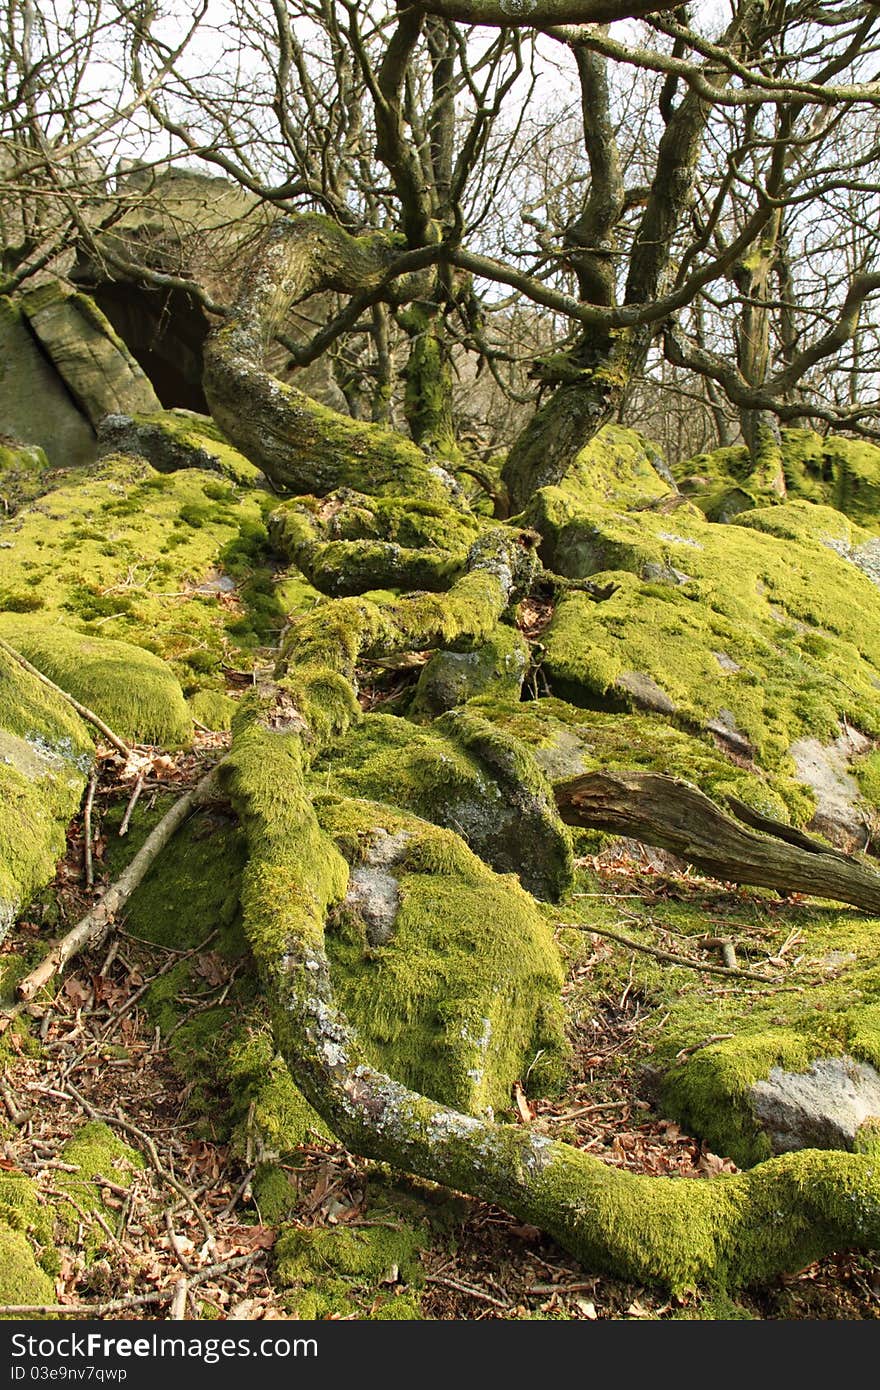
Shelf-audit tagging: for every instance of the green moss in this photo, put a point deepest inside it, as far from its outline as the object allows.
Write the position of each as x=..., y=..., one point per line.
x=21, y=1279
x=339, y=1272
x=96, y=1152
x=352, y=543
x=213, y=709
x=132, y=690
x=833, y=1007
x=449, y=1008
x=783, y=635
x=112, y=557
x=835, y=471
x=566, y=741
x=464, y=774
x=177, y=439
x=23, y=472
x=45, y=753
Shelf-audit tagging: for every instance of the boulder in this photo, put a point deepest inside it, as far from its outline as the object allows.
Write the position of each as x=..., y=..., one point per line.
x=821, y=1108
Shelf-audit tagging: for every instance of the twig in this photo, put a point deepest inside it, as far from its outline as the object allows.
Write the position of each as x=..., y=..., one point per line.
x=588, y=1110
x=16, y=1115
x=87, y=830
x=116, y=1305
x=89, y=715
x=178, y=1302
x=95, y=922
x=698, y=1047
x=671, y=956
x=132, y=801
x=141, y=1135
x=588, y=1287
x=467, y=1289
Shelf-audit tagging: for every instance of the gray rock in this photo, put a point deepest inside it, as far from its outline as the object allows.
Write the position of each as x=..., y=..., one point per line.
x=822, y=1108
x=724, y=727
x=35, y=405
x=824, y=768
x=497, y=668
x=374, y=892
x=727, y=663
x=94, y=363
x=645, y=692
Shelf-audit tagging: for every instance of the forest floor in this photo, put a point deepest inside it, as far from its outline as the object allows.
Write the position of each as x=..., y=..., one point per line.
x=184, y=1238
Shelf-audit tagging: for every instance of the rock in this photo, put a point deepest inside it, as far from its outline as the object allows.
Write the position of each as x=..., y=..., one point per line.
x=724, y=727
x=35, y=405
x=644, y=692
x=452, y=678
x=448, y=971
x=373, y=891
x=464, y=774
x=176, y=439
x=822, y=1108
x=94, y=363
x=824, y=768
x=45, y=755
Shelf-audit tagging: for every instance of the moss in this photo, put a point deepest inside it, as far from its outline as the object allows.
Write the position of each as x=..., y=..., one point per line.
x=566, y=741
x=464, y=774
x=352, y=543
x=45, y=753
x=132, y=690
x=21, y=1279
x=339, y=1272
x=95, y=1151
x=833, y=1007
x=834, y=471
x=178, y=439
x=449, y=1008
x=23, y=470
x=112, y=557
x=213, y=709
x=496, y=667
x=784, y=636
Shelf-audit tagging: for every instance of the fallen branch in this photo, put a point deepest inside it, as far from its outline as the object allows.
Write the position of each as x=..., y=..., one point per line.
x=674, y=815
x=91, y=927
x=82, y=710
x=671, y=956
x=140, y=1300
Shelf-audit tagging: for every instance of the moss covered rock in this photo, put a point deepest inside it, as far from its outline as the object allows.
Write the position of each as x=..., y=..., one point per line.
x=132, y=690
x=340, y=1273
x=460, y=995
x=175, y=439
x=497, y=668
x=463, y=773
x=45, y=755
x=176, y=563
x=759, y=639
x=834, y=471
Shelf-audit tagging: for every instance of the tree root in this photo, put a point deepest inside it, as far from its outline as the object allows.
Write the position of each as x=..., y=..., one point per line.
x=776, y=1217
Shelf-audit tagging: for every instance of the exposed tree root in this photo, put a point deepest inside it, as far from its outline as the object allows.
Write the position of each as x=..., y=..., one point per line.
x=668, y=812
x=778, y=1216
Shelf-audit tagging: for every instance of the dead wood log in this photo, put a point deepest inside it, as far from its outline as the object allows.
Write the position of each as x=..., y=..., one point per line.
x=676, y=816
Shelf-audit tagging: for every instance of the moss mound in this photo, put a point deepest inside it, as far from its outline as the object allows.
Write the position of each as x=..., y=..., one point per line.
x=176, y=563
x=462, y=773
x=337, y=1273
x=834, y=471
x=462, y=996
x=177, y=439
x=45, y=754
x=131, y=689
x=760, y=640
x=566, y=741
